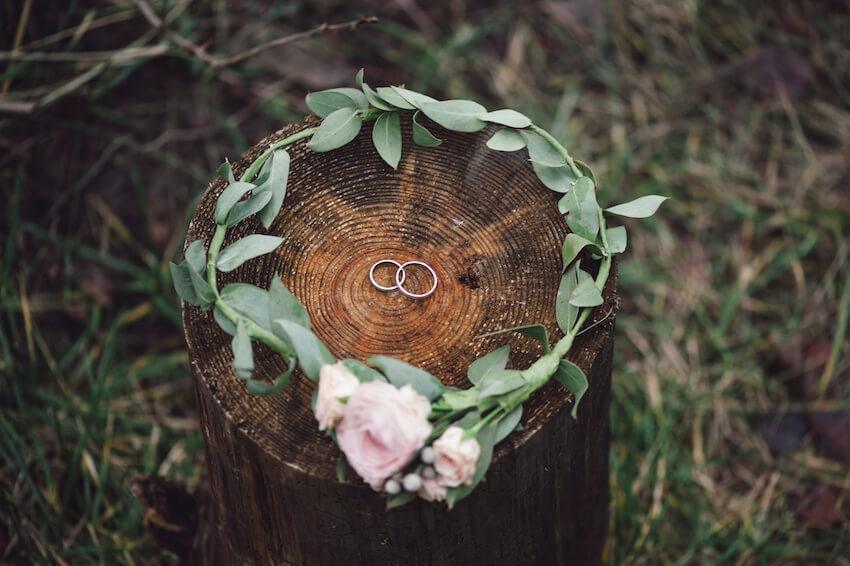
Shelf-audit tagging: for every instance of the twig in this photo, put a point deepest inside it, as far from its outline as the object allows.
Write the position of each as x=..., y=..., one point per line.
x=114, y=58
x=117, y=56
x=200, y=51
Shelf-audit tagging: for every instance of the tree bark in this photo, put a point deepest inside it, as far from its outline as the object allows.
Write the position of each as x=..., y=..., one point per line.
x=493, y=235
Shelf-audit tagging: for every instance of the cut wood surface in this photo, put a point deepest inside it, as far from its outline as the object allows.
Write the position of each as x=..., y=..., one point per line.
x=493, y=235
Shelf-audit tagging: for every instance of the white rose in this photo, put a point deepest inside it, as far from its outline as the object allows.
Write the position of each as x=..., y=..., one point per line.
x=455, y=460
x=382, y=428
x=335, y=381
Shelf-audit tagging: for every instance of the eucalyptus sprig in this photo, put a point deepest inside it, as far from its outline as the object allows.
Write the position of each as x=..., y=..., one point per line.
x=492, y=407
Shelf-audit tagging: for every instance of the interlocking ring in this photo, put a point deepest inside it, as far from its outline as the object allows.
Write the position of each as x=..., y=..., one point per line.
x=398, y=281
x=381, y=287
x=400, y=275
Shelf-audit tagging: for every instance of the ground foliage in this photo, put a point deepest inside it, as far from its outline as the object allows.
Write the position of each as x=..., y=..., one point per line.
x=731, y=382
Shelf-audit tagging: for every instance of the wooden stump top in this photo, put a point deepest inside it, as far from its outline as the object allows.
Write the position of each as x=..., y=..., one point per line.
x=480, y=218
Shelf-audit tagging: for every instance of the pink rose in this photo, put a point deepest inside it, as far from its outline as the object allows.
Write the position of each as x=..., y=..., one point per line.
x=335, y=381
x=432, y=490
x=382, y=428
x=455, y=459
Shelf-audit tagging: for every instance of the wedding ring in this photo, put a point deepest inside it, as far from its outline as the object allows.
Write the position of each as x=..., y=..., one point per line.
x=400, y=279
x=381, y=287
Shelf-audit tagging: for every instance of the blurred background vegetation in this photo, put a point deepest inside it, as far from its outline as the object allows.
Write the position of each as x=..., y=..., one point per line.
x=731, y=409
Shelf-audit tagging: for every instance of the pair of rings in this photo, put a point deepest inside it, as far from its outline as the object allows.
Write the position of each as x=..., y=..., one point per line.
x=400, y=274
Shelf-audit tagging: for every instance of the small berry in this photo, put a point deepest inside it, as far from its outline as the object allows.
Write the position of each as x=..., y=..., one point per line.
x=392, y=487
x=412, y=482
x=428, y=455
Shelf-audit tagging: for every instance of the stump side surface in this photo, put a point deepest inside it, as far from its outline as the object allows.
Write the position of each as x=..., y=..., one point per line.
x=543, y=504
x=480, y=218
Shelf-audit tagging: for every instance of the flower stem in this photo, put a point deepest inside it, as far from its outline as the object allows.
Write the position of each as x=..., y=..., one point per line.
x=473, y=431
x=254, y=168
x=558, y=147
x=254, y=330
x=212, y=255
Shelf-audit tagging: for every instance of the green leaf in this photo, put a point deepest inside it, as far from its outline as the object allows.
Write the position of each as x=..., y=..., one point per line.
x=642, y=207
x=243, y=355
x=500, y=382
x=386, y=135
x=580, y=206
x=283, y=305
x=228, y=199
x=399, y=499
x=414, y=98
x=536, y=331
x=326, y=102
x=506, y=140
x=312, y=354
x=421, y=136
x=617, y=239
x=339, y=128
x=565, y=313
x=467, y=421
x=224, y=322
x=247, y=248
x=264, y=173
x=400, y=374
x=541, y=151
x=202, y=289
x=354, y=94
x=570, y=376
x=246, y=208
x=226, y=171
x=494, y=361
x=459, y=400
x=182, y=282
x=375, y=100
x=188, y=283
x=249, y=301
x=510, y=118
x=363, y=372
x=559, y=179
x=508, y=424
x=457, y=115
x=573, y=244
x=586, y=294
x=486, y=439
x=196, y=257
x=276, y=183
x=390, y=96
x=263, y=389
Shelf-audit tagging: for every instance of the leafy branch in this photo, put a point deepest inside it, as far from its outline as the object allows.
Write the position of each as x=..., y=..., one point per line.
x=492, y=407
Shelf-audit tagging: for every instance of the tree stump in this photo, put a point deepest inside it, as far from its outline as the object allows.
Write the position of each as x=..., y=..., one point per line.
x=493, y=235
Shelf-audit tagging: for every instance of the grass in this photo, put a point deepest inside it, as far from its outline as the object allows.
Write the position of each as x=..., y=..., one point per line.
x=735, y=300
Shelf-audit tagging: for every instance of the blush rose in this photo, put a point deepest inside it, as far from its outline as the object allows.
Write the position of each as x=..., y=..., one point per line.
x=382, y=428
x=455, y=459
x=335, y=382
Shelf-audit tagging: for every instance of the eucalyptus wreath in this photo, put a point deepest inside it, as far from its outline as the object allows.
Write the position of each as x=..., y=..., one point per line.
x=399, y=427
